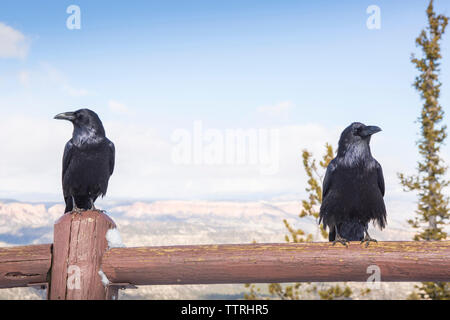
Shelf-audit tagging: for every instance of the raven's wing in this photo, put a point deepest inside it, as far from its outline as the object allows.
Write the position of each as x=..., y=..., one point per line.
x=380, y=178
x=112, y=156
x=326, y=187
x=328, y=177
x=67, y=157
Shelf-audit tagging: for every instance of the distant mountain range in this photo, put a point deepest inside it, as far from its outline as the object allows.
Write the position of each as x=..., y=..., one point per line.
x=179, y=223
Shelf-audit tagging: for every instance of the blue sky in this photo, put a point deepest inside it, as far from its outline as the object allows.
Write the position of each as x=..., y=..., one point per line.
x=157, y=66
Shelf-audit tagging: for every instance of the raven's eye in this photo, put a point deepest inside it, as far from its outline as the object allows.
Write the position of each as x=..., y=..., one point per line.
x=357, y=131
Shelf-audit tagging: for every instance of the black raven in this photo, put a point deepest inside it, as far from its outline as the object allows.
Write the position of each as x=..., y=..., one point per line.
x=88, y=160
x=353, y=188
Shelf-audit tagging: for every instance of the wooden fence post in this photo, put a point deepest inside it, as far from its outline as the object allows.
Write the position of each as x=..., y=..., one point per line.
x=78, y=247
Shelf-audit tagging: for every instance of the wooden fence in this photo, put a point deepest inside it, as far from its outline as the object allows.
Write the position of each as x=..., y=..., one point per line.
x=70, y=267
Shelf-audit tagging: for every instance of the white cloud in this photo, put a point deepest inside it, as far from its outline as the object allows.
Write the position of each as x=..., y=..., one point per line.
x=118, y=107
x=280, y=109
x=32, y=150
x=74, y=92
x=24, y=78
x=13, y=44
x=59, y=78
x=32, y=153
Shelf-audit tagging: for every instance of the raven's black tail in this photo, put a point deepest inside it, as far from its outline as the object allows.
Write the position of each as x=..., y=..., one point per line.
x=351, y=231
x=82, y=202
x=69, y=204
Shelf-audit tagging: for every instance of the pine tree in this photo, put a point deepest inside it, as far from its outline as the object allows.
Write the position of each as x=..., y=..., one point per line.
x=432, y=213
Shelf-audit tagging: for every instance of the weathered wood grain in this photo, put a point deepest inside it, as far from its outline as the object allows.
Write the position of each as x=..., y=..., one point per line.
x=79, y=243
x=24, y=265
x=265, y=263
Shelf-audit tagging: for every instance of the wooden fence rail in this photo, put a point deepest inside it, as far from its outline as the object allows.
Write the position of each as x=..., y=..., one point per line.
x=80, y=242
x=25, y=265
x=264, y=263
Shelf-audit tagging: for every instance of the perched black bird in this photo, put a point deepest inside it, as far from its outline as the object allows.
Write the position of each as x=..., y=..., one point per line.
x=353, y=188
x=88, y=160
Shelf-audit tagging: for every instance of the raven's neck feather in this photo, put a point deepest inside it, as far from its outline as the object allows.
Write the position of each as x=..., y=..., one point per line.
x=82, y=136
x=354, y=154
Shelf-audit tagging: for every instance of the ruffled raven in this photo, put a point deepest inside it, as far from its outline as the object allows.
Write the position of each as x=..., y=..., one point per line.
x=353, y=188
x=88, y=161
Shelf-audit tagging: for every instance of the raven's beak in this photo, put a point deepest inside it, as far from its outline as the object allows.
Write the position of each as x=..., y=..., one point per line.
x=66, y=116
x=369, y=130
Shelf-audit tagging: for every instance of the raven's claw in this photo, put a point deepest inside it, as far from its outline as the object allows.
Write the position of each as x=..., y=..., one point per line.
x=341, y=240
x=78, y=210
x=367, y=239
